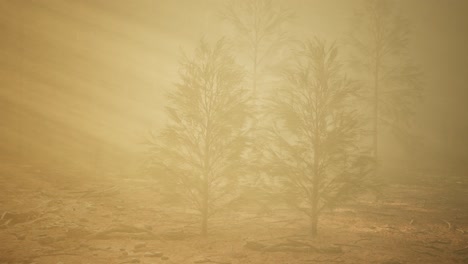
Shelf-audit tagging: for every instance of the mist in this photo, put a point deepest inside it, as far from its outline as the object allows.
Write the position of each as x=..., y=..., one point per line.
x=98, y=100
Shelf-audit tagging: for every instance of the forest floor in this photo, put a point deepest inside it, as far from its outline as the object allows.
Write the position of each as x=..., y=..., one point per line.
x=49, y=218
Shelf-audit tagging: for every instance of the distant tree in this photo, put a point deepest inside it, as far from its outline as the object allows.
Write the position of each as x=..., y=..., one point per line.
x=260, y=35
x=259, y=29
x=379, y=39
x=198, y=156
x=314, y=149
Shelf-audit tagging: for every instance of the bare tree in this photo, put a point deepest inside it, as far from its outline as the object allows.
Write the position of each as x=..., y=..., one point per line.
x=379, y=44
x=260, y=35
x=259, y=27
x=198, y=156
x=314, y=148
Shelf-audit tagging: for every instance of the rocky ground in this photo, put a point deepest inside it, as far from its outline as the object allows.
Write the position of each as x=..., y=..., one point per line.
x=52, y=217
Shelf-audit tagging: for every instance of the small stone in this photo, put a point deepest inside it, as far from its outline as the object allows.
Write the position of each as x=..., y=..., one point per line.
x=45, y=240
x=83, y=245
x=155, y=254
x=141, y=245
x=254, y=245
x=59, y=238
x=331, y=250
x=391, y=261
x=201, y=260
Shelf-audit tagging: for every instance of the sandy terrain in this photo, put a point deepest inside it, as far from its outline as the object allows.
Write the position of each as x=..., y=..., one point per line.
x=52, y=217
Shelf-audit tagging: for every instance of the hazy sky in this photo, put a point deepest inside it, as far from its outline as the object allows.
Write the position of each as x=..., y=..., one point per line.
x=99, y=68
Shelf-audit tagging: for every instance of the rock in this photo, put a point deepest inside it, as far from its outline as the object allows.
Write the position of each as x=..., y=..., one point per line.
x=99, y=248
x=83, y=245
x=93, y=248
x=59, y=238
x=140, y=245
x=45, y=240
x=391, y=261
x=237, y=255
x=207, y=260
x=201, y=260
x=254, y=245
x=331, y=250
x=76, y=233
x=155, y=254
x=140, y=248
x=176, y=235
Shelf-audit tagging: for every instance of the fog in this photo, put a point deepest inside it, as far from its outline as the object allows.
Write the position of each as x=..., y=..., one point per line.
x=84, y=85
x=80, y=73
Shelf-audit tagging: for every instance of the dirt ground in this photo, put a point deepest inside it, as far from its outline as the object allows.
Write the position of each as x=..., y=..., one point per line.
x=49, y=217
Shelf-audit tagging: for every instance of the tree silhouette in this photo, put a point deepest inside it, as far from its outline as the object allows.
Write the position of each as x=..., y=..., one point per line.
x=198, y=156
x=258, y=24
x=379, y=43
x=260, y=34
x=314, y=148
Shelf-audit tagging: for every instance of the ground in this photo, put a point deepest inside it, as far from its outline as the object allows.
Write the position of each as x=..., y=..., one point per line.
x=51, y=217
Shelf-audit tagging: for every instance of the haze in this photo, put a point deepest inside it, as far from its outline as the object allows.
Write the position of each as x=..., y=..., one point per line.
x=84, y=86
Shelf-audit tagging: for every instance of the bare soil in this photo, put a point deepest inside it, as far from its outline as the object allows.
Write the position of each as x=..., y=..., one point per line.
x=56, y=217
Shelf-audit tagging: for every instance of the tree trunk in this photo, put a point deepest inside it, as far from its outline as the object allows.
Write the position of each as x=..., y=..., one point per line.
x=205, y=211
x=255, y=75
x=205, y=205
x=206, y=180
x=315, y=187
x=376, y=113
x=314, y=207
x=204, y=224
x=314, y=220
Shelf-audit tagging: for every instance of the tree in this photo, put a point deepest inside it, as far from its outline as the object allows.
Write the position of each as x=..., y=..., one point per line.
x=379, y=44
x=258, y=24
x=198, y=156
x=314, y=148
x=259, y=27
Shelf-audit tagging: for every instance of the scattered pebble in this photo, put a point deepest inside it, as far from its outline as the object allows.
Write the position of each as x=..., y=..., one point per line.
x=155, y=254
